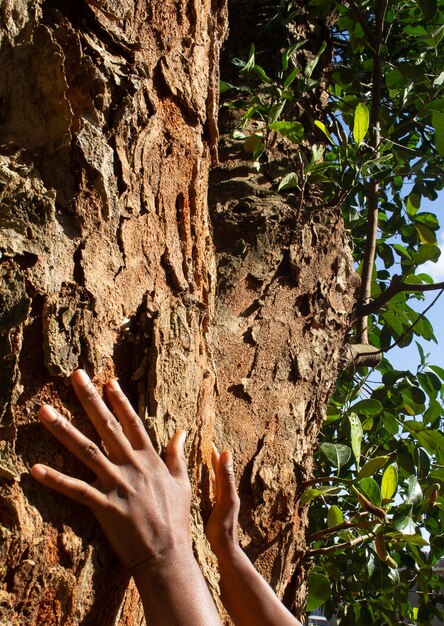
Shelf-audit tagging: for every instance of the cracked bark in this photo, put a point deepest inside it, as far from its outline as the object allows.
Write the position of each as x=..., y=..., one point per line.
x=107, y=134
x=104, y=163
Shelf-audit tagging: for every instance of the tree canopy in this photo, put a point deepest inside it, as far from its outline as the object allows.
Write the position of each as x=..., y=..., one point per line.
x=376, y=148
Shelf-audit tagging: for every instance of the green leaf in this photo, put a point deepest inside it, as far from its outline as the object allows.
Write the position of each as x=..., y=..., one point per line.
x=402, y=251
x=275, y=111
x=289, y=181
x=413, y=491
x=403, y=520
x=377, y=166
x=428, y=219
x=430, y=383
x=416, y=540
x=431, y=440
x=438, y=125
x=251, y=60
x=337, y=454
x=435, y=105
x=356, y=434
x=324, y=129
x=291, y=77
x=394, y=80
x=367, y=407
x=334, y=516
x=438, y=370
x=258, y=152
x=370, y=488
x=286, y=55
x=361, y=123
x=393, y=322
x=426, y=252
x=434, y=37
x=313, y=492
x=434, y=411
x=389, y=482
x=257, y=69
x=309, y=68
x=224, y=86
x=426, y=235
x=318, y=590
x=413, y=203
x=372, y=466
x=293, y=130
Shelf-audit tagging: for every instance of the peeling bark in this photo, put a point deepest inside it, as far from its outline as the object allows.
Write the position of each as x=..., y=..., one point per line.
x=283, y=309
x=108, y=130
x=106, y=137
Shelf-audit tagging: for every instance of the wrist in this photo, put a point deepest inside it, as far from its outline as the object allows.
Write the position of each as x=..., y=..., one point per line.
x=225, y=548
x=163, y=564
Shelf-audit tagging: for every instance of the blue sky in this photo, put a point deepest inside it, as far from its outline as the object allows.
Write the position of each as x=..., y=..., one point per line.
x=408, y=358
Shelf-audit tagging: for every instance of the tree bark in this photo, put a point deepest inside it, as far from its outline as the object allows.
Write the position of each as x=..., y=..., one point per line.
x=107, y=133
x=108, y=130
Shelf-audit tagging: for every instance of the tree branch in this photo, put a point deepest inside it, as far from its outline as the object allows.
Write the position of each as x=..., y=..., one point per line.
x=373, y=205
x=396, y=286
x=325, y=479
x=404, y=335
x=340, y=546
x=361, y=19
x=333, y=529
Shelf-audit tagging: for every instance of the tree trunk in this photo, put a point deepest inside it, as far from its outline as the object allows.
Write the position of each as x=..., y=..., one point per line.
x=107, y=130
x=107, y=133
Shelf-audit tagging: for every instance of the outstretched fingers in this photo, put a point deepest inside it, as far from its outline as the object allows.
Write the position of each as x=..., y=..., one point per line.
x=104, y=422
x=131, y=423
x=75, y=489
x=82, y=447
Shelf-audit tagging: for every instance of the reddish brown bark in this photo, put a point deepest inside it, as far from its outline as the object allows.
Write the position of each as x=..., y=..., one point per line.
x=107, y=133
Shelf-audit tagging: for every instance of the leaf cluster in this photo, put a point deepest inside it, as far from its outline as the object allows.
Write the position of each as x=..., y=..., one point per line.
x=377, y=520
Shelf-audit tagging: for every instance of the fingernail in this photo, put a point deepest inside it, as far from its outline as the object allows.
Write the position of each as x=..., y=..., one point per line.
x=113, y=384
x=81, y=378
x=183, y=436
x=47, y=414
x=37, y=471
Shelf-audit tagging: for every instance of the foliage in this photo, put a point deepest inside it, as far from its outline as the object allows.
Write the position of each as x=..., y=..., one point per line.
x=377, y=527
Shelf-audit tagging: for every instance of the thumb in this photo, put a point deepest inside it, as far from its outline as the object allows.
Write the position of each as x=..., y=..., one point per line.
x=175, y=456
x=226, y=480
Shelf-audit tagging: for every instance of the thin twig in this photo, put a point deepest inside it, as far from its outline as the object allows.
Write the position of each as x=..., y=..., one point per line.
x=333, y=529
x=340, y=546
x=325, y=479
x=396, y=286
x=303, y=178
x=404, y=335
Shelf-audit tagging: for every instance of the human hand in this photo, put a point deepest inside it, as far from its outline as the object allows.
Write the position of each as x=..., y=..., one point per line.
x=142, y=503
x=221, y=528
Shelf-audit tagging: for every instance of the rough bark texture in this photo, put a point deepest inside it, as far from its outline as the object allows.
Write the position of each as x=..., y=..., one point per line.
x=285, y=293
x=107, y=132
x=279, y=329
